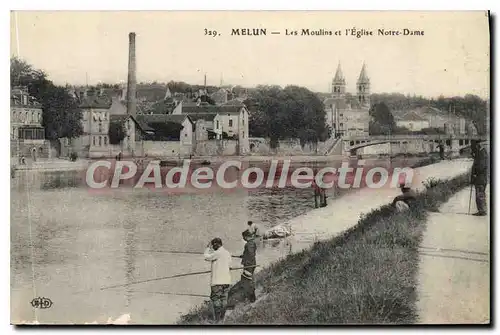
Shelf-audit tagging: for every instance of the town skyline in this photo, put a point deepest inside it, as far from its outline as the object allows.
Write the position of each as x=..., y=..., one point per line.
x=93, y=48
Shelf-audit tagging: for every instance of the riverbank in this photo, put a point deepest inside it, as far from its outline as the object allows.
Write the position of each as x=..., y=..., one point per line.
x=366, y=273
x=59, y=164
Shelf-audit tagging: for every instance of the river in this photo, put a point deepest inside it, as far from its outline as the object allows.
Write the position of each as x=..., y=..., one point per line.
x=68, y=242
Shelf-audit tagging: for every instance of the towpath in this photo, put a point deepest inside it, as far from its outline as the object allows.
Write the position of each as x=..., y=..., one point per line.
x=454, y=271
x=343, y=213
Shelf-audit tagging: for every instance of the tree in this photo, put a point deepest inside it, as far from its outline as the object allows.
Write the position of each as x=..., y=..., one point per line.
x=382, y=121
x=61, y=116
x=116, y=132
x=292, y=112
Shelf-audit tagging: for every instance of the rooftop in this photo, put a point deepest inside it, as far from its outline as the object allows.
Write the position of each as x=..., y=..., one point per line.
x=210, y=109
x=159, y=118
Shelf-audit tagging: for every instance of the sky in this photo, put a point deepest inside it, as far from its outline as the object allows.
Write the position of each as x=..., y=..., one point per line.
x=451, y=58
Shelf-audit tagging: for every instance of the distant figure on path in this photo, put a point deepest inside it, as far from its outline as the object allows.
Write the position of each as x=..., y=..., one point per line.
x=409, y=196
x=319, y=196
x=220, y=280
x=441, y=150
x=479, y=176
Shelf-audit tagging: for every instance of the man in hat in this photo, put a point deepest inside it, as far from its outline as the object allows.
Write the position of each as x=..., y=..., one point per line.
x=479, y=175
x=220, y=280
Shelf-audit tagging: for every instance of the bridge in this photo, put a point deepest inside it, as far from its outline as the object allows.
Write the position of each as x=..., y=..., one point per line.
x=409, y=143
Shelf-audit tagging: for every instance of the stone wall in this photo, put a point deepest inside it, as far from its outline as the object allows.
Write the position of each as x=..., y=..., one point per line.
x=261, y=146
x=161, y=149
x=28, y=148
x=217, y=148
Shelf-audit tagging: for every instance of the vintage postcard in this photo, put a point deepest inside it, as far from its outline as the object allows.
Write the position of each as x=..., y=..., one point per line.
x=250, y=167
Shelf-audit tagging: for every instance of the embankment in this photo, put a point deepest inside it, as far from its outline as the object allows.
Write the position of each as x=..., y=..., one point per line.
x=366, y=275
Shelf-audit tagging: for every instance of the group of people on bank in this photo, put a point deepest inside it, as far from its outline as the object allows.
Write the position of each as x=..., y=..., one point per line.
x=223, y=295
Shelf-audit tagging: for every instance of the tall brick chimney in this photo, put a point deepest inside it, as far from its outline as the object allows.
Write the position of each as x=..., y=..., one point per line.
x=132, y=80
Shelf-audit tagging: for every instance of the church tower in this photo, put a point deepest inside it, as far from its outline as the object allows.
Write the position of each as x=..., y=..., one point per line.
x=363, y=88
x=338, y=83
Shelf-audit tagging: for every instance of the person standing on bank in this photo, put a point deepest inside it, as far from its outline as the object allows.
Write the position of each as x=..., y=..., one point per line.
x=248, y=257
x=244, y=290
x=220, y=280
x=479, y=176
x=441, y=150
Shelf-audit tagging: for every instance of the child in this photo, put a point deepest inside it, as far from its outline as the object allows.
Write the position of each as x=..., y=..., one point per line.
x=253, y=229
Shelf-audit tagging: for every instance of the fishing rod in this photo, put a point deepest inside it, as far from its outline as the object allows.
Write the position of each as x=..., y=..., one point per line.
x=170, y=277
x=179, y=252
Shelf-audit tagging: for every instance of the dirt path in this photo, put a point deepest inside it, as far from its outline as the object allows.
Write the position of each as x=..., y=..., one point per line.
x=454, y=271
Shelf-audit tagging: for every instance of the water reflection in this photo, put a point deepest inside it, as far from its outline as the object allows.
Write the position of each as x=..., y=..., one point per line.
x=86, y=240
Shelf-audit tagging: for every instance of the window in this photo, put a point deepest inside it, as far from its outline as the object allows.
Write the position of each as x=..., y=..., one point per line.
x=100, y=141
x=105, y=140
x=185, y=135
x=341, y=125
x=217, y=127
x=100, y=127
x=93, y=140
x=230, y=123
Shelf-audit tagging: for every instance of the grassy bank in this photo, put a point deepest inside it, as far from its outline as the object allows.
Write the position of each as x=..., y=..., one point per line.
x=365, y=276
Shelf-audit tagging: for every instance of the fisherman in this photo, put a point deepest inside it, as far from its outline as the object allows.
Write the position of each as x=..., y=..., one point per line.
x=479, y=176
x=408, y=196
x=319, y=196
x=248, y=256
x=220, y=280
x=244, y=290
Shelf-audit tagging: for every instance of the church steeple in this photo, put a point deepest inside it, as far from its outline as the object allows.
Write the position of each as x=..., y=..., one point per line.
x=363, y=87
x=338, y=83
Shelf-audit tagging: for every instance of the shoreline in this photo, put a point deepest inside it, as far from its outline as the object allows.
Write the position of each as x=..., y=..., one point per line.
x=63, y=165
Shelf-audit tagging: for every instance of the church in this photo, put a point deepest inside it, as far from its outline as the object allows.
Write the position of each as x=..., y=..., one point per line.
x=348, y=114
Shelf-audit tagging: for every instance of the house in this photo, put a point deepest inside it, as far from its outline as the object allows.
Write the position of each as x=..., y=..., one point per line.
x=26, y=132
x=94, y=142
x=132, y=143
x=412, y=121
x=98, y=111
x=167, y=135
x=344, y=118
x=160, y=127
x=225, y=121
